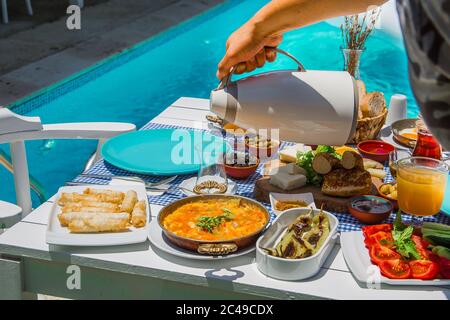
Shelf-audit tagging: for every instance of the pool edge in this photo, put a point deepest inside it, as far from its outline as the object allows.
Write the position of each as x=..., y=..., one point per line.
x=156, y=39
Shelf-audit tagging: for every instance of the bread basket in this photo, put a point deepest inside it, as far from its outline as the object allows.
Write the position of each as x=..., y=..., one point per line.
x=369, y=128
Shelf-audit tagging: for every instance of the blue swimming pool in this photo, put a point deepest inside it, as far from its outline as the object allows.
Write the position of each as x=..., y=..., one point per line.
x=138, y=84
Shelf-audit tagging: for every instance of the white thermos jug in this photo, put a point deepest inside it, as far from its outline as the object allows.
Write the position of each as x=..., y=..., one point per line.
x=312, y=107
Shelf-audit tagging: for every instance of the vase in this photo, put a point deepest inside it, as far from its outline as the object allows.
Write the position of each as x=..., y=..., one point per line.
x=352, y=59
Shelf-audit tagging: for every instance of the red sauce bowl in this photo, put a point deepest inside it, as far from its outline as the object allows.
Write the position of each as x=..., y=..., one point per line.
x=375, y=150
x=241, y=171
x=363, y=209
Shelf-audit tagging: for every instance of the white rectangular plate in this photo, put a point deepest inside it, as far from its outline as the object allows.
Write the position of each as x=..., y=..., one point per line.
x=358, y=261
x=56, y=234
x=275, y=197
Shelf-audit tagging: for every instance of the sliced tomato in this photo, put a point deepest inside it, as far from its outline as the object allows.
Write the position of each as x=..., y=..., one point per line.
x=424, y=269
x=369, y=230
x=395, y=269
x=381, y=238
x=379, y=254
x=421, y=246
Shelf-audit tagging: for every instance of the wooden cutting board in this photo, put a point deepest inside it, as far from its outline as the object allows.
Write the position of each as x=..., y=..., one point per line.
x=263, y=188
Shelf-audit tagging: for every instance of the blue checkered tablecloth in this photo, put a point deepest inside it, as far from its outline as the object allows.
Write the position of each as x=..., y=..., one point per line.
x=244, y=187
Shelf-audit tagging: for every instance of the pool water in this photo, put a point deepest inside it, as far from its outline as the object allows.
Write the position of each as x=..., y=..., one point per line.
x=138, y=84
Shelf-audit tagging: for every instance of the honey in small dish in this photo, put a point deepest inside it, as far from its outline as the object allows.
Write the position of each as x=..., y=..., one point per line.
x=285, y=205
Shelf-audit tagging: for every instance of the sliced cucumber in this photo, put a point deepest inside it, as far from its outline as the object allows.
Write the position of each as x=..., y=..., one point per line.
x=441, y=251
x=435, y=226
x=437, y=238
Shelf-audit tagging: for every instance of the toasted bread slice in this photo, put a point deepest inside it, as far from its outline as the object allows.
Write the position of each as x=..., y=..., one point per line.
x=347, y=183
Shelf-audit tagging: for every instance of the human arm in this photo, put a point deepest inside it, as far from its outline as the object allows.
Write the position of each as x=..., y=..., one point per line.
x=249, y=46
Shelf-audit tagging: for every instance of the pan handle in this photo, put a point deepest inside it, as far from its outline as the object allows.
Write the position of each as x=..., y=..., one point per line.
x=217, y=249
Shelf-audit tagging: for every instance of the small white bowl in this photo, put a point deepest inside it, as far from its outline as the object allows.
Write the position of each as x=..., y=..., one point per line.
x=275, y=197
x=292, y=269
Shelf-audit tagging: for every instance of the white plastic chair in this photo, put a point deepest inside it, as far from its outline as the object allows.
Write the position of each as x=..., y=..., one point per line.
x=5, y=9
x=16, y=129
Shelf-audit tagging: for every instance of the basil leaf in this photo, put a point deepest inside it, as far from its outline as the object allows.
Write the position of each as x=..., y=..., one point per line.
x=402, y=239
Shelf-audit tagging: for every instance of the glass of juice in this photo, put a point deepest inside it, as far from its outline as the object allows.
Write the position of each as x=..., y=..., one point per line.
x=421, y=186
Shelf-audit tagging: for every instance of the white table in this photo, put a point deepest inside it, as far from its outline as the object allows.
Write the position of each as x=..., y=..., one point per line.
x=29, y=265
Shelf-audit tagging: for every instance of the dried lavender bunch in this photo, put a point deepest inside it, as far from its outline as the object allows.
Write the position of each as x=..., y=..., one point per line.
x=355, y=31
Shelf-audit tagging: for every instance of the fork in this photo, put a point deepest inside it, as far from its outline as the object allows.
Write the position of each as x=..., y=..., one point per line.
x=129, y=178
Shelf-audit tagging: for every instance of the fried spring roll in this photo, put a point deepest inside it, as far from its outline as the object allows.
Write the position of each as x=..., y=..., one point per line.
x=94, y=221
x=89, y=209
x=104, y=191
x=81, y=206
x=129, y=201
x=66, y=217
x=76, y=197
x=100, y=222
x=98, y=204
x=139, y=215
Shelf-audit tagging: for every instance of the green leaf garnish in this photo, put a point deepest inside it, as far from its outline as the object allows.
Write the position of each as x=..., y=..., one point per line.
x=304, y=160
x=402, y=239
x=209, y=223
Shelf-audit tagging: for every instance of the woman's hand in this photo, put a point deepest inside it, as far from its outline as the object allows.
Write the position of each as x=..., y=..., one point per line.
x=247, y=46
x=247, y=50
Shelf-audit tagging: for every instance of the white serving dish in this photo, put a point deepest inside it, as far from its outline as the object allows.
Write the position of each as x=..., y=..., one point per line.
x=58, y=235
x=160, y=241
x=275, y=197
x=292, y=269
x=358, y=261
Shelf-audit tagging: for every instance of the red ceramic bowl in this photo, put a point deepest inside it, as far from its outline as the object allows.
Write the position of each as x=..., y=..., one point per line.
x=393, y=201
x=363, y=209
x=375, y=150
x=241, y=172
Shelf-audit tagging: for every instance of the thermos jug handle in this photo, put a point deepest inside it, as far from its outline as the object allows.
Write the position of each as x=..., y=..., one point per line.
x=226, y=80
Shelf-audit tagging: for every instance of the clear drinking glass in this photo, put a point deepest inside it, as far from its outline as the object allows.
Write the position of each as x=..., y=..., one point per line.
x=421, y=184
x=211, y=177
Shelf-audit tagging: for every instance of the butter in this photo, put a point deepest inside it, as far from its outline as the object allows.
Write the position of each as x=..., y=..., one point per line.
x=289, y=154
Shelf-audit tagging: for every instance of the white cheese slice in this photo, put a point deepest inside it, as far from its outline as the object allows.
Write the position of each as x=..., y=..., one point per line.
x=289, y=154
x=288, y=181
x=292, y=168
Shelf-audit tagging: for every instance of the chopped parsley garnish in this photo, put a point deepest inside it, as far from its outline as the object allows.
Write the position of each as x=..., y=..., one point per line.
x=209, y=223
x=402, y=239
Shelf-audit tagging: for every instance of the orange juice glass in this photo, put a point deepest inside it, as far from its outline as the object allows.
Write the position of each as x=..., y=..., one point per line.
x=421, y=185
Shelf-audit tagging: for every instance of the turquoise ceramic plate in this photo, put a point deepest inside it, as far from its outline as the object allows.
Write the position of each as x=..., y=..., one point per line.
x=163, y=151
